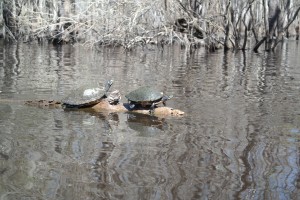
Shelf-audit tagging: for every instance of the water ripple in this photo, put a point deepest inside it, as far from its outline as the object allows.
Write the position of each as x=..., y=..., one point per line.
x=238, y=140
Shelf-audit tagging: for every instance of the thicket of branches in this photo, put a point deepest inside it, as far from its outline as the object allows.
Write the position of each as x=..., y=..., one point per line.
x=215, y=24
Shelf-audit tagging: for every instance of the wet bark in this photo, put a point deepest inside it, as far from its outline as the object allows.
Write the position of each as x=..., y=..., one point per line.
x=282, y=30
x=252, y=22
x=287, y=10
x=244, y=24
x=245, y=36
x=297, y=30
x=273, y=17
x=9, y=13
x=64, y=30
x=274, y=26
x=228, y=26
x=258, y=44
x=2, y=27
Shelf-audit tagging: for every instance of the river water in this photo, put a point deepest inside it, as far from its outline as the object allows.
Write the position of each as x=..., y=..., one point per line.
x=239, y=139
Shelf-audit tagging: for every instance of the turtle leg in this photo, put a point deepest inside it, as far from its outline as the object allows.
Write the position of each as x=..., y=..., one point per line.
x=151, y=110
x=131, y=106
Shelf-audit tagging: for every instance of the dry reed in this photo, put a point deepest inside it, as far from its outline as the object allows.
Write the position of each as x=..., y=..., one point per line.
x=129, y=23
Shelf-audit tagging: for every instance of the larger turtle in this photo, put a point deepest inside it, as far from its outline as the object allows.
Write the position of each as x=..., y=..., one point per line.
x=146, y=97
x=86, y=97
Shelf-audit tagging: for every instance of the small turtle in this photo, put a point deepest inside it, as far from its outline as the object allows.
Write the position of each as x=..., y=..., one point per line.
x=114, y=97
x=146, y=97
x=86, y=97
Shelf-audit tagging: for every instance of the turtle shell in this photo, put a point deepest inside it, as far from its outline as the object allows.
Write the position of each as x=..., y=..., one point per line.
x=144, y=94
x=86, y=96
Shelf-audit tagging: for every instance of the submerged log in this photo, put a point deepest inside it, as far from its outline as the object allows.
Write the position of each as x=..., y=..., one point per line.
x=44, y=103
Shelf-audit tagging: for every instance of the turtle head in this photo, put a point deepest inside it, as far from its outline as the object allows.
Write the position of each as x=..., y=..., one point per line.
x=108, y=84
x=165, y=97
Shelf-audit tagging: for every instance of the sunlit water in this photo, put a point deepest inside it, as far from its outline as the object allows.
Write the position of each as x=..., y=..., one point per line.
x=239, y=138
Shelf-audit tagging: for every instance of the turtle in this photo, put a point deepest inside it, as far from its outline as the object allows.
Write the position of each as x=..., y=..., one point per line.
x=86, y=97
x=146, y=97
x=114, y=97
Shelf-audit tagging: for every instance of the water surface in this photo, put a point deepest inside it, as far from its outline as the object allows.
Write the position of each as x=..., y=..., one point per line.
x=239, y=138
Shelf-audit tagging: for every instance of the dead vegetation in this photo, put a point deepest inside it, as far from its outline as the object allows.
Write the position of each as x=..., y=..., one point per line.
x=216, y=24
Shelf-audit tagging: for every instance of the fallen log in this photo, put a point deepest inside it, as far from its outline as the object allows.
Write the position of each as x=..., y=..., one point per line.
x=124, y=107
x=105, y=106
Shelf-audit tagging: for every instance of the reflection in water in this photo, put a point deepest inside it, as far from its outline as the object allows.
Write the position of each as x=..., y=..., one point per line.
x=239, y=139
x=145, y=125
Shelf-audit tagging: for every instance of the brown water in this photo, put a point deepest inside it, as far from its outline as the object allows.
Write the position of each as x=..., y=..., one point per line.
x=240, y=138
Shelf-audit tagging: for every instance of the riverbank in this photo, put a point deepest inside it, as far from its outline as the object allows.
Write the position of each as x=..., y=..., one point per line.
x=219, y=25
